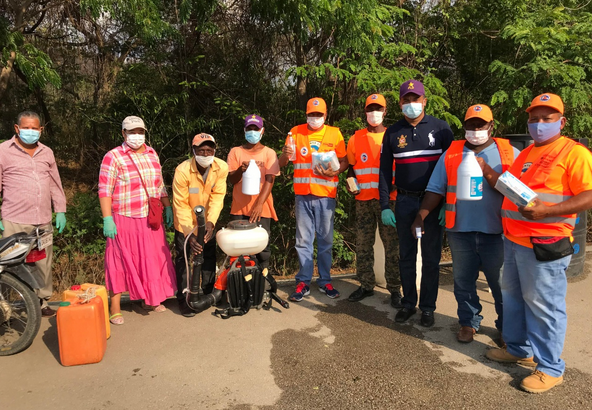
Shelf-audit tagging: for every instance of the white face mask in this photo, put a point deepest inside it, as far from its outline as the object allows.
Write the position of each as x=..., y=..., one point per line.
x=315, y=122
x=375, y=118
x=135, y=141
x=204, y=162
x=477, y=137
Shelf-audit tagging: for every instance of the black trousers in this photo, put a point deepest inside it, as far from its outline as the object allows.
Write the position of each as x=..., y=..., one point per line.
x=265, y=254
x=208, y=269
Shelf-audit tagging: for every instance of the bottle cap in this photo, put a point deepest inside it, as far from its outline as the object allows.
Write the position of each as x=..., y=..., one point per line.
x=75, y=287
x=62, y=304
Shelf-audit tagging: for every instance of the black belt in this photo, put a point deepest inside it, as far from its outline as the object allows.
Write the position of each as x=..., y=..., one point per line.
x=416, y=194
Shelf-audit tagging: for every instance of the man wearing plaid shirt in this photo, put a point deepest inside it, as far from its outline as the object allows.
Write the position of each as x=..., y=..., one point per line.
x=30, y=185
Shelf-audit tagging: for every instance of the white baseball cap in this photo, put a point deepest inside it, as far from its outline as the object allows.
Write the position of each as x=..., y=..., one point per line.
x=132, y=122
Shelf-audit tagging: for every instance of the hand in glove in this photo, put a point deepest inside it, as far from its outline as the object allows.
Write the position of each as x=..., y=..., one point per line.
x=388, y=218
x=109, y=228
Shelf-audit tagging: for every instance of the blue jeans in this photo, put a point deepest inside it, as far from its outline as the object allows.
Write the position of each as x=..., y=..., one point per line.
x=471, y=251
x=406, y=209
x=314, y=216
x=534, y=307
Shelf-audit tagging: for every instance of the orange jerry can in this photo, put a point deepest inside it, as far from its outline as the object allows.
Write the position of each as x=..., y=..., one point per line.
x=81, y=331
x=100, y=291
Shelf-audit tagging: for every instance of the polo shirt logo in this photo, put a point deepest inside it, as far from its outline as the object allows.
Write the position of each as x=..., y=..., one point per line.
x=431, y=139
x=402, y=141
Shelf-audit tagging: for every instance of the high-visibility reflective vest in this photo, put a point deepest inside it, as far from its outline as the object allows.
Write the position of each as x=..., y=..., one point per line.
x=535, y=178
x=305, y=181
x=452, y=160
x=367, y=168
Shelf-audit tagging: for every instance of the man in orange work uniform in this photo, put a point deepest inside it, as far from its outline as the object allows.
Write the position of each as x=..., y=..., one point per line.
x=363, y=153
x=315, y=189
x=537, y=245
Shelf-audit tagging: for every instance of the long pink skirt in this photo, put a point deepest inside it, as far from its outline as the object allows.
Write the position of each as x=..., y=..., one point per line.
x=138, y=260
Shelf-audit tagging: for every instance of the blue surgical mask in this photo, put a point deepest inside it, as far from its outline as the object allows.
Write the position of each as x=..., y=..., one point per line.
x=253, y=137
x=542, y=131
x=29, y=137
x=412, y=110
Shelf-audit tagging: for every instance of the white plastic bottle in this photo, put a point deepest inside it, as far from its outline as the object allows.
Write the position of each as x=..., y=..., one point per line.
x=292, y=144
x=469, y=181
x=251, y=179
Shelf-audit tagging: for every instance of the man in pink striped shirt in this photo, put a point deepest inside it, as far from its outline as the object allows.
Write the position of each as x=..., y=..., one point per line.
x=30, y=185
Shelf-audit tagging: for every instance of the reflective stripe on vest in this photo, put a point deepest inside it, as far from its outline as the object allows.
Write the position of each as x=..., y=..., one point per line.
x=324, y=182
x=517, y=216
x=535, y=178
x=453, y=158
x=302, y=166
x=367, y=171
x=369, y=185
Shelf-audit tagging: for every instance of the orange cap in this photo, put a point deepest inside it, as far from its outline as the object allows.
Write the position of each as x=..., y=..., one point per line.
x=547, y=100
x=316, y=104
x=201, y=138
x=376, y=99
x=479, y=111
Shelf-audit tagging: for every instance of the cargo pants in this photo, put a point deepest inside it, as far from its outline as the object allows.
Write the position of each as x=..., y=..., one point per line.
x=368, y=217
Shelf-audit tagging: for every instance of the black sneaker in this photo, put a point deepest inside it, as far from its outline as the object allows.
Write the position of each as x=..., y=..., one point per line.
x=47, y=312
x=396, y=300
x=404, y=314
x=427, y=318
x=359, y=294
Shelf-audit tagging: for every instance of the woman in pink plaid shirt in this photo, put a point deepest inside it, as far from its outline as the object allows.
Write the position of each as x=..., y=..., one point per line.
x=137, y=258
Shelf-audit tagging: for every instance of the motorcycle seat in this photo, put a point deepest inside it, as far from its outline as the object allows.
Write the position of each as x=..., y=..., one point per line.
x=7, y=242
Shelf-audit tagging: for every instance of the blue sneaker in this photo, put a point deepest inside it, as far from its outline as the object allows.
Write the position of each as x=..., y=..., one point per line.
x=301, y=291
x=329, y=290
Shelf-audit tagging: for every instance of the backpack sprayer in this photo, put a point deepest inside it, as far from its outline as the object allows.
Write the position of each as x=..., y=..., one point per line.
x=242, y=278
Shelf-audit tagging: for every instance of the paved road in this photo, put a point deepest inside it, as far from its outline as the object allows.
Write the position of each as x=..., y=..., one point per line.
x=319, y=354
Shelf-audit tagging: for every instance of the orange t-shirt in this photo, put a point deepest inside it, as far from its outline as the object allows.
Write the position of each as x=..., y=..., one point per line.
x=267, y=161
x=577, y=175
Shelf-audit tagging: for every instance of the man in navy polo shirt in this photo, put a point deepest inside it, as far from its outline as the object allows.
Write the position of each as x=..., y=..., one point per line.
x=415, y=143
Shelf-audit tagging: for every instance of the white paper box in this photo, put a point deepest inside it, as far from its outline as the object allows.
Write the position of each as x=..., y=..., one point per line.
x=513, y=189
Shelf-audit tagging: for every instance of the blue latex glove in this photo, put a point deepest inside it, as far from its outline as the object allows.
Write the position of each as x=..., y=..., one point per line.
x=1, y=226
x=442, y=215
x=109, y=228
x=388, y=218
x=60, y=221
x=168, y=216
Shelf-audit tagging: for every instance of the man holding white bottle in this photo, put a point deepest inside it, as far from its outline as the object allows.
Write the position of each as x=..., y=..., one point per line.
x=315, y=189
x=473, y=227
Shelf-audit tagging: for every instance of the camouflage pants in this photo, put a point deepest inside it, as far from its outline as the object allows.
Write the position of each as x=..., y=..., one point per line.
x=368, y=216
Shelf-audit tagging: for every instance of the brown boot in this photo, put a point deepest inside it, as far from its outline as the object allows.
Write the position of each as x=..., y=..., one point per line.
x=465, y=334
x=539, y=382
x=502, y=355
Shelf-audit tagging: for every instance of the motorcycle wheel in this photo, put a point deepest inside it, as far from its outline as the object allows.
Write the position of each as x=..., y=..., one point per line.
x=18, y=331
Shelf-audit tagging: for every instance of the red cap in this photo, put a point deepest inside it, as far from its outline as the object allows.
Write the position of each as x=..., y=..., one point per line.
x=75, y=287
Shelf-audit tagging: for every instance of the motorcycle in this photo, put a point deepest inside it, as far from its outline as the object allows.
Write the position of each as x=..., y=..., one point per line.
x=20, y=310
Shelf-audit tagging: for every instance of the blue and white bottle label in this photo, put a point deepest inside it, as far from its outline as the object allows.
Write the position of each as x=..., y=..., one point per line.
x=476, y=187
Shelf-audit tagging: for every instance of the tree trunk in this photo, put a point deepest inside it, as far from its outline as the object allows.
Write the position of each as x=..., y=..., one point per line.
x=5, y=74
